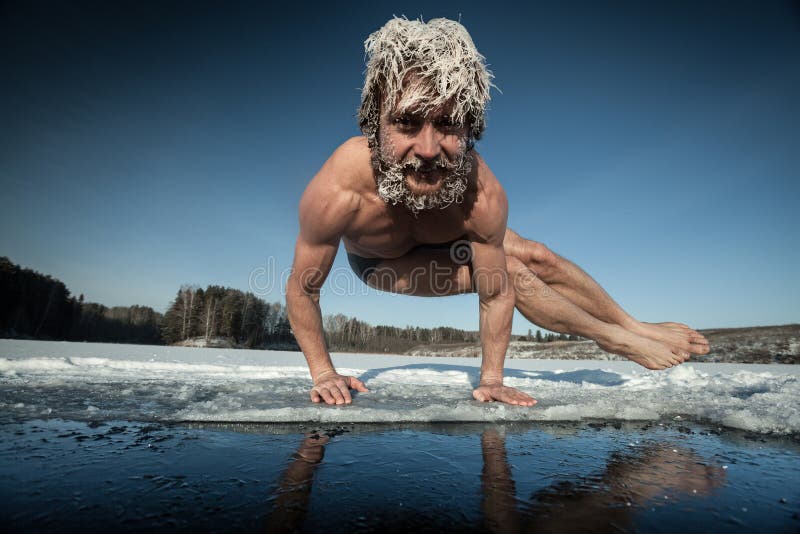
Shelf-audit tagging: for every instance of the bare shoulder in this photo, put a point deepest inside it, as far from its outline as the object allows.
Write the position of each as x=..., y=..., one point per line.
x=487, y=221
x=334, y=196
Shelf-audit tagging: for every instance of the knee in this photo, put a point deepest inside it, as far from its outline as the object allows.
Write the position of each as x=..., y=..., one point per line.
x=514, y=265
x=540, y=259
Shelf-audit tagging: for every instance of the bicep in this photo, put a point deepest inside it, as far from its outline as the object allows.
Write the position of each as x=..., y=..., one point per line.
x=487, y=229
x=325, y=213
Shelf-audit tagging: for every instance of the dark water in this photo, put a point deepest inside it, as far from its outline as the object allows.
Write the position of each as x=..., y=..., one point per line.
x=591, y=477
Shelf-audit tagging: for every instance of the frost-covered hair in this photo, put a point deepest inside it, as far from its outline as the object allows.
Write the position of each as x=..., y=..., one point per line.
x=413, y=65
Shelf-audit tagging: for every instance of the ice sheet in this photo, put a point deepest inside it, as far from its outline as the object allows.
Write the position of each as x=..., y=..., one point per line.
x=91, y=381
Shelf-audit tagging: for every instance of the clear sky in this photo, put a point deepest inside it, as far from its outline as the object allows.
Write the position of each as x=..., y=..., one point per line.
x=145, y=145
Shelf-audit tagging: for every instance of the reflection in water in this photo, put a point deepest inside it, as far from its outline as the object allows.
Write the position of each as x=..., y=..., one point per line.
x=294, y=489
x=605, y=502
x=602, y=503
x=499, y=503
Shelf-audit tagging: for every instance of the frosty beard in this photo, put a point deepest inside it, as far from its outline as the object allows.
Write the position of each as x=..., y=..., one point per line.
x=390, y=176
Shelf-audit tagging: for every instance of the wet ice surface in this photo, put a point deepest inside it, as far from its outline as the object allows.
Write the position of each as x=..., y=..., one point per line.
x=96, y=434
x=60, y=475
x=92, y=381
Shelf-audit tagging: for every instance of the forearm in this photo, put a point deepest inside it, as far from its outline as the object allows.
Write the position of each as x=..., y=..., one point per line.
x=496, y=315
x=305, y=317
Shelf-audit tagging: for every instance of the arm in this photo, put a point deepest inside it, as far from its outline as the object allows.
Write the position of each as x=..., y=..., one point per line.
x=495, y=293
x=325, y=211
x=294, y=490
x=496, y=307
x=312, y=262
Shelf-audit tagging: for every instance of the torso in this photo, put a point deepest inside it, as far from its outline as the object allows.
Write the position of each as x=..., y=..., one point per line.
x=379, y=230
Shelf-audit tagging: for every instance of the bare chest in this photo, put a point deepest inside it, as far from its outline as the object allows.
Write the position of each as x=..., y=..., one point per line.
x=389, y=232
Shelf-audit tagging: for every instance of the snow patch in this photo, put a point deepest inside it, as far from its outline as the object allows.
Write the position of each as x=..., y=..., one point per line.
x=100, y=381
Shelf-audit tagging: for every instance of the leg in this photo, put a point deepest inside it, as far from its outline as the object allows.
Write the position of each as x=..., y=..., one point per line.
x=573, y=283
x=542, y=305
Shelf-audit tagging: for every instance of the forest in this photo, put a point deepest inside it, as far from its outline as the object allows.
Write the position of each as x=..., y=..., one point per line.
x=38, y=306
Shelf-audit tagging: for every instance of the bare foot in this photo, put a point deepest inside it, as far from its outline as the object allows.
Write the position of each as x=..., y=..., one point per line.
x=642, y=350
x=677, y=336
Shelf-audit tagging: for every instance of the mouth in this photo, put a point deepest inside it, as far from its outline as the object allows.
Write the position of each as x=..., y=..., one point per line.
x=423, y=182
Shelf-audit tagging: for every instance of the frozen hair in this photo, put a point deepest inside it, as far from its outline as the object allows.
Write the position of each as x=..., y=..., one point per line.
x=413, y=65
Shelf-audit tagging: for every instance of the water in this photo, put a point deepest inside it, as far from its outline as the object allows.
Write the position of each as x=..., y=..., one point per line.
x=62, y=475
x=98, y=435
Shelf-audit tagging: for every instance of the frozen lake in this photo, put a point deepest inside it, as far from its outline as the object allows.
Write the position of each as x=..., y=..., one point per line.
x=149, y=437
x=93, y=381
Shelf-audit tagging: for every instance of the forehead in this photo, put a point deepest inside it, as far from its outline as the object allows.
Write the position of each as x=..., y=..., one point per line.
x=417, y=106
x=417, y=96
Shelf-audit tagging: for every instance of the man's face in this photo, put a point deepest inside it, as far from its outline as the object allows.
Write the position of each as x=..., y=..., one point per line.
x=423, y=160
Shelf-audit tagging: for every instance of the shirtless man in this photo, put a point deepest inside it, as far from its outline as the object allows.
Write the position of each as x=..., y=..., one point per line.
x=420, y=213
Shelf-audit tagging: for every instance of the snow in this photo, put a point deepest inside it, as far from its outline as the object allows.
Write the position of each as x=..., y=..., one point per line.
x=91, y=381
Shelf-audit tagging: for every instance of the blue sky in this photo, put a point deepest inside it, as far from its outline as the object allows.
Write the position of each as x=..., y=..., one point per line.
x=149, y=145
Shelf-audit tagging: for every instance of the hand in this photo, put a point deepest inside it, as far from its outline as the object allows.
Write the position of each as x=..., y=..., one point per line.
x=334, y=388
x=499, y=392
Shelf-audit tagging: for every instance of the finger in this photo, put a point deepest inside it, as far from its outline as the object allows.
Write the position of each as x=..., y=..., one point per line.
x=337, y=395
x=315, y=396
x=344, y=391
x=480, y=396
x=503, y=394
x=510, y=396
x=357, y=384
x=326, y=396
x=525, y=399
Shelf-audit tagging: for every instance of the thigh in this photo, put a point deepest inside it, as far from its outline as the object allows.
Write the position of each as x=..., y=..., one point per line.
x=423, y=273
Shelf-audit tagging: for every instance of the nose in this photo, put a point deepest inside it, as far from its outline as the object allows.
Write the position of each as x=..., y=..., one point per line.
x=427, y=145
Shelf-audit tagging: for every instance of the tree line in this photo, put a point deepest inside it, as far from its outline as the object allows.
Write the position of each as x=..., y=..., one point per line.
x=222, y=312
x=349, y=334
x=33, y=305
x=548, y=338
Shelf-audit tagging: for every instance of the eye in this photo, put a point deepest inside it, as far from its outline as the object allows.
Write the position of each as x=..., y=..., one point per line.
x=445, y=121
x=402, y=120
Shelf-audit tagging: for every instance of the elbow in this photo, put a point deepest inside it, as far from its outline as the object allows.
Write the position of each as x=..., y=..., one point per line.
x=497, y=290
x=296, y=292
x=504, y=298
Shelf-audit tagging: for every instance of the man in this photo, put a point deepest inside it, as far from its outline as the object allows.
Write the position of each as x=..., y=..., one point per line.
x=420, y=213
